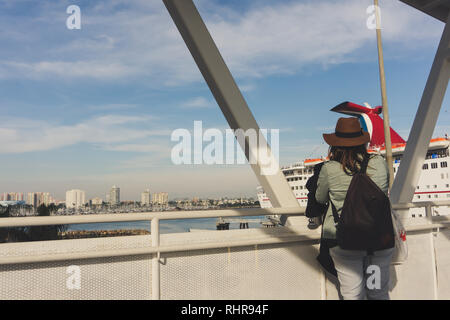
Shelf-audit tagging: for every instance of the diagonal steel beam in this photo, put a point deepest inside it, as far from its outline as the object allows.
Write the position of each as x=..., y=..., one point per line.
x=227, y=94
x=438, y=9
x=424, y=123
x=433, y=4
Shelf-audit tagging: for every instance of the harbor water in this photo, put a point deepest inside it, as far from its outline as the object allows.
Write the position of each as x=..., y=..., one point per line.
x=166, y=226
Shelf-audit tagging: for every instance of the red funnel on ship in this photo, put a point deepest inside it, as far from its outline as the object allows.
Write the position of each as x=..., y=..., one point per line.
x=370, y=122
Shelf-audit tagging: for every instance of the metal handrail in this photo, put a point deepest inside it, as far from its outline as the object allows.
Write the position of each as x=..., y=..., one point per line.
x=420, y=204
x=175, y=215
x=127, y=217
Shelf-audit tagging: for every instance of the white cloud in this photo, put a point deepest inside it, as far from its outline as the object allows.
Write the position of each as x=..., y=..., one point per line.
x=24, y=135
x=113, y=106
x=135, y=147
x=247, y=87
x=197, y=103
x=140, y=40
x=96, y=69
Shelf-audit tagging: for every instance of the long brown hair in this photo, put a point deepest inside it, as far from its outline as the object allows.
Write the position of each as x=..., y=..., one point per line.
x=351, y=158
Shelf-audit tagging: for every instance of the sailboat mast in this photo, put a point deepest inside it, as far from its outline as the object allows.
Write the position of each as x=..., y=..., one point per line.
x=387, y=131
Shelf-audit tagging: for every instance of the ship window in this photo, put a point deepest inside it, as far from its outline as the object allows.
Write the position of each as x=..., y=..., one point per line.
x=435, y=186
x=429, y=196
x=428, y=186
x=435, y=195
x=444, y=164
x=442, y=176
x=434, y=165
x=418, y=197
x=425, y=166
x=417, y=187
x=292, y=188
x=447, y=185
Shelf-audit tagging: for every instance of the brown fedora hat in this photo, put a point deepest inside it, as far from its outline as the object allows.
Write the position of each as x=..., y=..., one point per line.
x=348, y=133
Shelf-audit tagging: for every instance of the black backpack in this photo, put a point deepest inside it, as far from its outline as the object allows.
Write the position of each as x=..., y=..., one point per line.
x=365, y=222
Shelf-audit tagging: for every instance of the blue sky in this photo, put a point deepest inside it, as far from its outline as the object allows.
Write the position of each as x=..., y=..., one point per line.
x=95, y=107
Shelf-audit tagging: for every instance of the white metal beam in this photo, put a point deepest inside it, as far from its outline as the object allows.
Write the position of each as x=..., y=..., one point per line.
x=424, y=123
x=438, y=9
x=226, y=92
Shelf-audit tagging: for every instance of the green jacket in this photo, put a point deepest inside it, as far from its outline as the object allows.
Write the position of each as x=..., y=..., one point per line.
x=333, y=184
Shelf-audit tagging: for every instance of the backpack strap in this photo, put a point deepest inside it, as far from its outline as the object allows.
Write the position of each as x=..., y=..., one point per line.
x=335, y=213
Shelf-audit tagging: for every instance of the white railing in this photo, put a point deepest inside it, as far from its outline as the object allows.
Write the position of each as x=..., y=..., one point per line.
x=156, y=249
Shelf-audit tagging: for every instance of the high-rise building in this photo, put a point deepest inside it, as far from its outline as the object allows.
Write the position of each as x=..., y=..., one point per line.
x=160, y=198
x=75, y=198
x=145, y=198
x=47, y=198
x=32, y=199
x=35, y=199
x=96, y=201
x=11, y=196
x=114, y=195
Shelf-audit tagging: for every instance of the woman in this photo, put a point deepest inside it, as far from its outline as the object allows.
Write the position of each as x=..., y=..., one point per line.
x=348, y=148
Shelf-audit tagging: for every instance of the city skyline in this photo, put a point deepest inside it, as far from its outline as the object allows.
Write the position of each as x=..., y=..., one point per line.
x=146, y=197
x=95, y=107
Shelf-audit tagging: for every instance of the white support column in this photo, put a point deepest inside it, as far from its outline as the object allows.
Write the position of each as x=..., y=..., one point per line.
x=227, y=94
x=156, y=266
x=424, y=123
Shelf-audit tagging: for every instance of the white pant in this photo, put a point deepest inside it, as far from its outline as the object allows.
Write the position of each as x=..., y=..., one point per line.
x=362, y=276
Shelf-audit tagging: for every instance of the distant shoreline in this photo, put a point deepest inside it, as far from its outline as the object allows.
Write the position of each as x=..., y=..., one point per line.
x=80, y=234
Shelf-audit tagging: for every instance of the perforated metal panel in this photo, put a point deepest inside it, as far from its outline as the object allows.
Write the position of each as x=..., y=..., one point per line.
x=287, y=271
x=105, y=278
x=275, y=271
x=127, y=277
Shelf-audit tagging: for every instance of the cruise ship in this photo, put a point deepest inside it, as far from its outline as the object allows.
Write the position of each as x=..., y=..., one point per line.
x=433, y=183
